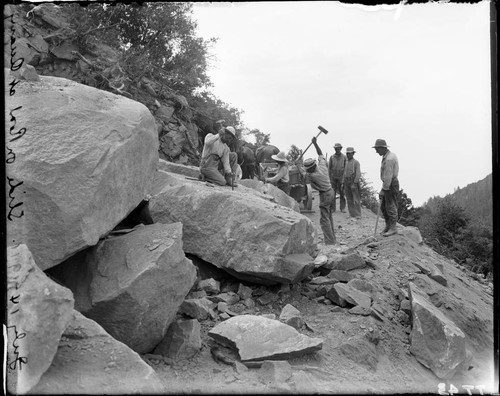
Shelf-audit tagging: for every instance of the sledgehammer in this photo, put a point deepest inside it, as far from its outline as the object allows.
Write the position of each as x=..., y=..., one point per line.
x=321, y=130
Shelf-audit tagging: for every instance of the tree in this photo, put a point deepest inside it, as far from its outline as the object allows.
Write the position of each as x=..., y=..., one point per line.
x=157, y=40
x=406, y=211
x=293, y=154
x=261, y=138
x=369, y=198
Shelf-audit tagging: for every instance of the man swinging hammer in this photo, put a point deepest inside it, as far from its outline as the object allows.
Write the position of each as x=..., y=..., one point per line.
x=218, y=163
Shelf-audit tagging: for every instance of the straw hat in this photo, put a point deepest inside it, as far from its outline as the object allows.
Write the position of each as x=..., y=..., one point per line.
x=350, y=150
x=280, y=157
x=309, y=163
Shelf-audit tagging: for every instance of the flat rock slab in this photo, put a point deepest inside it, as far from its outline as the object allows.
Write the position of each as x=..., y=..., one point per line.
x=39, y=310
x=90, y=361
x=87, y=159
x=251, y=238
x=352, y=295
x=258, y=338
x=435, y=340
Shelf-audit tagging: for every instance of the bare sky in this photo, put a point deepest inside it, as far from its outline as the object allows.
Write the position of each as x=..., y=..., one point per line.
x=415, y=75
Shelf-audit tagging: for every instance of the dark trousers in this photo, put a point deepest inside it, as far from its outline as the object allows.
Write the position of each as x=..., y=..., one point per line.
x=213, y=169
x=353, y=196
x=326, y=207
x=336, y=185
x=283, y=186
x=389, y=204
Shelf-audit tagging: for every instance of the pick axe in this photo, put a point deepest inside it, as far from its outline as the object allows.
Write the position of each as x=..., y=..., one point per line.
x=321, y=130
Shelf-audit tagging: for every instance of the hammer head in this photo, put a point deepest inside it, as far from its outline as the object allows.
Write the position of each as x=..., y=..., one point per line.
x=322, y=129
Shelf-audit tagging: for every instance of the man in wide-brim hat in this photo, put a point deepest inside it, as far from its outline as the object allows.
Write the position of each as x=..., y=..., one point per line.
x=388, y=195
x=316, y=174
x=350, y=180
x=336, y=166
x=281, y=179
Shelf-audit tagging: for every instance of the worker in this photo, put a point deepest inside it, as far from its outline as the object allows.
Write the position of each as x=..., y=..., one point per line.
x=388, y=195
x=350, y=184
x=218, y=163
x=336, y=166
x=316, y=174
x=281, y=179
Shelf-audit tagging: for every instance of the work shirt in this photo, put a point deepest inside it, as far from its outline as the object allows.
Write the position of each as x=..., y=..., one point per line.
x=319, y=179
x=281, y=175
x=336, y=165
x=213, y=145
x=352, y=171
x=389, y=169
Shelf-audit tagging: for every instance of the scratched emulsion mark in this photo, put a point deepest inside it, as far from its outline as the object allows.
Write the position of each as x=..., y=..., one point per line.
x=15, y=335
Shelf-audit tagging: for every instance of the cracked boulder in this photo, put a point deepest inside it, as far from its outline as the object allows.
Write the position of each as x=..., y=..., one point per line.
x=38, y=311
x=258, y=338
x=133, y=284
x=86, y=160
x=275, y=194
x=250, y=238
x=435, y=340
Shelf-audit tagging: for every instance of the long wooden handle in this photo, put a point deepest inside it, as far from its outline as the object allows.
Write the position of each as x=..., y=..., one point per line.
x=307, y=148
x=376, y=223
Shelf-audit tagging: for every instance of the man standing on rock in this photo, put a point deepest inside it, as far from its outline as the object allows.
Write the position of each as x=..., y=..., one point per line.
x=390, y=187
x=336, y=165
x=317, y=175
x=350, y=182
x=218, y=163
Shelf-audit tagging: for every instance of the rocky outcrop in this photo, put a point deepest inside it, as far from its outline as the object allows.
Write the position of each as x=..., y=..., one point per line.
x=90, y=361
x=272, y=191
x=258, y=338
x=86, y=159
x=248, y=237
x=38, y=312
x=133, y=284
x=436, y=341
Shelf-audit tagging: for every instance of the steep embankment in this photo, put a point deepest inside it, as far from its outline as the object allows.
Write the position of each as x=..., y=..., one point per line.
x=362, y=352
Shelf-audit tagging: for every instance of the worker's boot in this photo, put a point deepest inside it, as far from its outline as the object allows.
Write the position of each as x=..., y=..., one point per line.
x=393, y=229
x=387, y=226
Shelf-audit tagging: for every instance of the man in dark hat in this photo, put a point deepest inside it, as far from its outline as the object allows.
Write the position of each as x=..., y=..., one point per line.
x=336, y=166
x=390, y=187
x=218, y=163
x=316, y=173
x=350, y=180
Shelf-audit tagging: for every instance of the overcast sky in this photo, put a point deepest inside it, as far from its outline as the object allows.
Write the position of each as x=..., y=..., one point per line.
x=415, y=75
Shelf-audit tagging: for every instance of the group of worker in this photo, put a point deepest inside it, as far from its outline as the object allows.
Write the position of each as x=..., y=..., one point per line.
x=340, y=175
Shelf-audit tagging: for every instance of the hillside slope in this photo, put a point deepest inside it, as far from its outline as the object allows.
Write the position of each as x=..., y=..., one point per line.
x=476, y=198
x=346, y=364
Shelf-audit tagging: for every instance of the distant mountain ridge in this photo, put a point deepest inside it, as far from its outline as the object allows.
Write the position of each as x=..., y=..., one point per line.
x=476, y=198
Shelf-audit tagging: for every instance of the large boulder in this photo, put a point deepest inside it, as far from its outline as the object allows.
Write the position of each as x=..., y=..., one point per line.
x=251, y=238
x=38, y=311
x=85, y=161
x=258, y=338
x=90, y=361
x=133, y=284
x=277, y=195
x=436, y=341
